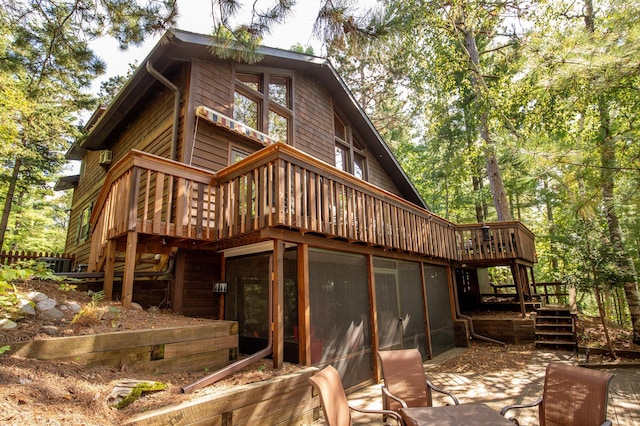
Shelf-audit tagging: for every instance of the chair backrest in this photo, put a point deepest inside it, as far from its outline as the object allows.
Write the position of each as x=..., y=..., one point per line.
x=574, y=396
x=332, y=397
x=404, y=377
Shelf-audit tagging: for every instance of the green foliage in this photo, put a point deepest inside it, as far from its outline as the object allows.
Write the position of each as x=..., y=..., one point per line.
x=20, y=271
x=39, y=221
x=5, y=348
x=46, y=71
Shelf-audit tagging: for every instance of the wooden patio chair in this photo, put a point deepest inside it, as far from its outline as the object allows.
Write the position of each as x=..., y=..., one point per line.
x=405, y=383
x=572, y=396
x=336, y=408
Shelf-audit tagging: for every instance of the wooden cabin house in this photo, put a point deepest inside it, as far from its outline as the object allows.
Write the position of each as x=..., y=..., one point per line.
x=246, y=192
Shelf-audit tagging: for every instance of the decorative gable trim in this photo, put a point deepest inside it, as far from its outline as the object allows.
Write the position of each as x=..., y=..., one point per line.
x=229, y=123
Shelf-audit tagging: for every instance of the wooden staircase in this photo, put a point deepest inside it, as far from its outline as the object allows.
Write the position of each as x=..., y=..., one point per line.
x=555, y=328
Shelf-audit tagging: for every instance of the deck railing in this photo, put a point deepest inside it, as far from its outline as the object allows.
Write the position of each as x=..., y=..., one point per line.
x=495, y=241
x=278, y=186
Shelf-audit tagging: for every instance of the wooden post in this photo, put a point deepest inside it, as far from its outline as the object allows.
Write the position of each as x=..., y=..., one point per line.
x=109, y=269
x=129, y=269
x=373, y=313
x=425, y=302
x=517, y=280
x=278, y=302
x=177, y=296
x=304, y=315
x=223, y=277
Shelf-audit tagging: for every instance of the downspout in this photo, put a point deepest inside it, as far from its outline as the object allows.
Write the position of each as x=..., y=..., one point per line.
x=176, y=107
x=470, y=321
x=477, y=336
x=232, y=368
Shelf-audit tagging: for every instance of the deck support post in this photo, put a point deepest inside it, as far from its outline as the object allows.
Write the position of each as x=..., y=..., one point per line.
x=278, y=303
x=129, y=269
x=109, y=268
x=519, y=282
x=373, y=315
x=304, y=315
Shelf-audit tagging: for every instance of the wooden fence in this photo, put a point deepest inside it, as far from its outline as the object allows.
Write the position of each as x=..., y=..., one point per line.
x=56, y=261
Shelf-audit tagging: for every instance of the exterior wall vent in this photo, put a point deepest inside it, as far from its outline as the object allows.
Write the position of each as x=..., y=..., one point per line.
x=105, y=157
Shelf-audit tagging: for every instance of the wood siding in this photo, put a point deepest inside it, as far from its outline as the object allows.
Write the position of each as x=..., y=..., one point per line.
x=313, y=120
x=201, y=271
x=313, y=131
x=149, y=131
x=92, y=176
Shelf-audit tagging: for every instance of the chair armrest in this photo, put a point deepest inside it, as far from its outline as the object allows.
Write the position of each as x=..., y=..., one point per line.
x=433, y=387
x=392, y=396
x=389, y=413
x=511, y=407
x=606, y=423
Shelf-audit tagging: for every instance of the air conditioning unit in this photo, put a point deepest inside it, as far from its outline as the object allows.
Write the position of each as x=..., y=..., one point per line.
x=105, y=157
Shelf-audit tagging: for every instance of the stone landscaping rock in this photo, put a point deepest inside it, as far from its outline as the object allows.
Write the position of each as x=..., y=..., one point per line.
x=51, y=314
x=46, y=304
x=36, y=296
x=73, y=306
x=7, y=324
x=50, y=330
x=26, y=307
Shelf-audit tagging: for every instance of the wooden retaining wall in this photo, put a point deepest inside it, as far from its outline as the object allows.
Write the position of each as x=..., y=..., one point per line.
x=165, y=350
x=282, y=400
x=513, y=331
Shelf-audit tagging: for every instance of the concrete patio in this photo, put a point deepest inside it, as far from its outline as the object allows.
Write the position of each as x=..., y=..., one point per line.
x=504, y=388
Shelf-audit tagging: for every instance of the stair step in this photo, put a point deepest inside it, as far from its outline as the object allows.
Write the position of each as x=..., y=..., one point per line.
x=565, y=317
x=554, y=333
x=554, y=324
x=553, y=339
x=556, y=344
x=555, y=308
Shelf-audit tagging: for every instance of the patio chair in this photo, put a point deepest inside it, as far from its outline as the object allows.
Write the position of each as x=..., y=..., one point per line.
x=336, y=408
x=571, y=396
x=405, y=383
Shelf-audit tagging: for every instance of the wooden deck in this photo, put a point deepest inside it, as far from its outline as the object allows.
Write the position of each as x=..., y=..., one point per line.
x=280, y=186
x=508, y=387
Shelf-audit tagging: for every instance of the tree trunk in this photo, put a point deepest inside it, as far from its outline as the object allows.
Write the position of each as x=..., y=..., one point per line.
x=608, y=160
x=476, y=176
x=477, y=188
x=8, y=202
x=603, y=320
x=624, y=261
x=491, y=160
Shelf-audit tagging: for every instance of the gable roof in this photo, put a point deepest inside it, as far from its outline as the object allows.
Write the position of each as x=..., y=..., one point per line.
x=180, y=46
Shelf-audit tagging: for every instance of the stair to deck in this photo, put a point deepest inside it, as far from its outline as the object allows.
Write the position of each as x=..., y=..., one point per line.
x=555, y=328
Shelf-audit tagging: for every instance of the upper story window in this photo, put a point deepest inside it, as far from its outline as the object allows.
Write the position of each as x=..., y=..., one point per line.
x=83, y=224
x=263, y=101
x=349, y=151
x=237, y=155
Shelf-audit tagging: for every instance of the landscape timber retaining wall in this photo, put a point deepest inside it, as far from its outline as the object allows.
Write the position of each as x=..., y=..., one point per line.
x=211, y=346
x=282, y=400
x=512, y=331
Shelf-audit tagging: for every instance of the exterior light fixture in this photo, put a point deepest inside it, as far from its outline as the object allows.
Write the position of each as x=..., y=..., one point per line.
x=486, y=232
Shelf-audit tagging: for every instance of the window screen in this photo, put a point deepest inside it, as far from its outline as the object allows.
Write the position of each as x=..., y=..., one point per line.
x=339, y=310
